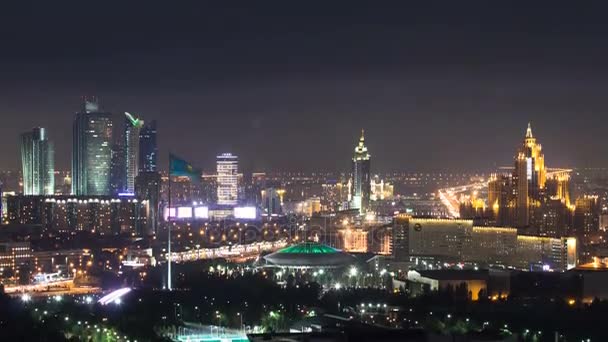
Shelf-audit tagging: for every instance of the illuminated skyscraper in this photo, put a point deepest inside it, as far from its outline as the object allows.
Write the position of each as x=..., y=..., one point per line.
x=38, y=163
x=148, y=150
x=132, y=130
x=91, y=151
x=529, y=177
x=361, y=176
x=530, y=198
x=227, y=179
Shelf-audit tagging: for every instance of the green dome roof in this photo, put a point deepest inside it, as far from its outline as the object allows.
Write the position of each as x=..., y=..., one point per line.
x=309, y=248
x=309, y=255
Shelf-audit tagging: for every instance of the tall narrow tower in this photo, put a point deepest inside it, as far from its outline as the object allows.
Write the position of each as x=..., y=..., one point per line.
x=38, y=163
x=132, y=129
x=361, y=176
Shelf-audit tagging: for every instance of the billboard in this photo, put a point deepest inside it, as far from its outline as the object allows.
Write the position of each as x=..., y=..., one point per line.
x=245, y=213
x=169, y=212
x=184, y=212
x=201, y=212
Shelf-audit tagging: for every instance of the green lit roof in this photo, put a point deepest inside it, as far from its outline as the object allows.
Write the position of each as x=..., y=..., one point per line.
x=308, y=248
x=134, y=121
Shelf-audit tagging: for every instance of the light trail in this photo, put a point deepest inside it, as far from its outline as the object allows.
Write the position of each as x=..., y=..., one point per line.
x=114, y=296
x=230, y=253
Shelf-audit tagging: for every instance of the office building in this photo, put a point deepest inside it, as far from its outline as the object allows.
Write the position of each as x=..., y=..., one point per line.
x=38, y=163
x=91, y=151
x=459, y=241
x=361, y=179
x=586, y=217
x=102, y=215
x=227, y=179
x=272, y=201
x=148, y=149
x=147, y=188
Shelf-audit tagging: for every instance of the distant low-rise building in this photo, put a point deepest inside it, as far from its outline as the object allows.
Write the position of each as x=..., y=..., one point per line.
x=97, y=214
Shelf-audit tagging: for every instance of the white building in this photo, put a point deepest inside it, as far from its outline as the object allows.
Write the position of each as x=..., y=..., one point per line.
x=227, y=179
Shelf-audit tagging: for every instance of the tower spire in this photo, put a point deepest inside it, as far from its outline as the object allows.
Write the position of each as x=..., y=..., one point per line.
x=362, y=134
x=529, y=131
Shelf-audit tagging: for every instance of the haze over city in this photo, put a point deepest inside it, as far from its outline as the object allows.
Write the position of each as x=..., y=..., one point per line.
x=288, y=87
x=314, y=171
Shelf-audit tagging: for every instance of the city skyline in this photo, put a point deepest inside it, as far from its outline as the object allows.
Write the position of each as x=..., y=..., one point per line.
x=277, y=80
x=261, y=171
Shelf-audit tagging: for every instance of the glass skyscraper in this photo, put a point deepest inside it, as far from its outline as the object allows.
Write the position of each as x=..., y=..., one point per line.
x=148, y=150
x=227, y=179
x=132, y=131
x=91, y=151
x=38, y=163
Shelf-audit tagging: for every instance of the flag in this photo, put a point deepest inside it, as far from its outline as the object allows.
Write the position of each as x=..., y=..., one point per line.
x=180, y=167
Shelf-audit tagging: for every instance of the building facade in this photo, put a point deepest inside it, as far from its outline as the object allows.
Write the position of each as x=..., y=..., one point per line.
x=38, y=163
x=91, y=151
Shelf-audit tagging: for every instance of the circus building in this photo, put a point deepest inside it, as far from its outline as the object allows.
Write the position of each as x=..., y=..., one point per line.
x=309, y=255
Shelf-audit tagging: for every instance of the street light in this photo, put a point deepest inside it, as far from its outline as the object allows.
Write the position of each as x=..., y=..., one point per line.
x=241, y=317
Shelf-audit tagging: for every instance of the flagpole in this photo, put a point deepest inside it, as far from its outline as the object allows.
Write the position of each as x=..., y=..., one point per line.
x=169, y=232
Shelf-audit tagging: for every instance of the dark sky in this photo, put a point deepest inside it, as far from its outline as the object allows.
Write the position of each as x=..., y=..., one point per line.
x=286, y=86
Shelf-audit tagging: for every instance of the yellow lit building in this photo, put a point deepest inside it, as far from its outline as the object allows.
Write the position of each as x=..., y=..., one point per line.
x=531, y=198
x=380, y=189
x=354, y=240
x=449, y=240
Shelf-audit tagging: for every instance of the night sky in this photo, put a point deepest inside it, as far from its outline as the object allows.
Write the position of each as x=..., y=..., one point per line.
x=289, y=87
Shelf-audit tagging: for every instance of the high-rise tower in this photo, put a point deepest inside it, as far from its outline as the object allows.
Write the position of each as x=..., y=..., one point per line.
x=133, y=126
x=529, y=177
x=91, y=150
x=361, y=176
x=38, y=163
x=227, y=179
x=148, y=150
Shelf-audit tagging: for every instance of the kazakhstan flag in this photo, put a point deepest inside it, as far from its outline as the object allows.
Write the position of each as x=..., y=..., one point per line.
x=180, y=167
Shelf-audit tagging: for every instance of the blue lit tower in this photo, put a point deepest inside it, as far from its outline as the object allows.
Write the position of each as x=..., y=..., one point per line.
x=91, y=150
x=38, y=163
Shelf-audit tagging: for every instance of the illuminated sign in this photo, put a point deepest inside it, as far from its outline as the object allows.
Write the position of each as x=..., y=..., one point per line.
x=184, y=212
x=201, y=212
x=126, y=194
x=245, y=212
x=169, y=212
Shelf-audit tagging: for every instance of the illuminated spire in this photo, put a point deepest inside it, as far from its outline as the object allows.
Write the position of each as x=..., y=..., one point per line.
x=529, y=131
x=361, y=149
